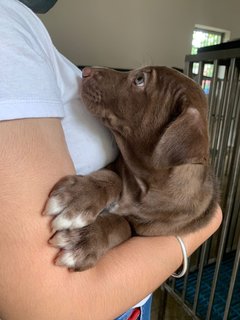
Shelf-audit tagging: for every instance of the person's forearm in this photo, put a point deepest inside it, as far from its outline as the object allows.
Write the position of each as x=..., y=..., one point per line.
x=140, y=265
x=31, y=286
x=42, y=291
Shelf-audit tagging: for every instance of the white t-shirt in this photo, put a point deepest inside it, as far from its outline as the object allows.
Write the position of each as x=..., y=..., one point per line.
x=36, y=81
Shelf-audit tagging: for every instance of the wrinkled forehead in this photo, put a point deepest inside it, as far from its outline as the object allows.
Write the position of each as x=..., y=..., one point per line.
x=157, y=77
x=153, y=70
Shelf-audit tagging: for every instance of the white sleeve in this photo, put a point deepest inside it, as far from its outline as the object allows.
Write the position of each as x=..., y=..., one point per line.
x=28, y=85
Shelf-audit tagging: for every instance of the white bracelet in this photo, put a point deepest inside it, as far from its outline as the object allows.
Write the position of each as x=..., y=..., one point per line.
x=185, y=259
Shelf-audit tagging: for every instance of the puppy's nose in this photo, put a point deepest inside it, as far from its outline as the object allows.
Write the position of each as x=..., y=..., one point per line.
x=86, y=72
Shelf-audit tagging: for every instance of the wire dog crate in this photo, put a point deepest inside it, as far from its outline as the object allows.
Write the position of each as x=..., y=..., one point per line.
x=211, y=288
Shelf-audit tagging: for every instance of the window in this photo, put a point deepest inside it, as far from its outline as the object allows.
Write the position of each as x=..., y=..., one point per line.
x=204, y=36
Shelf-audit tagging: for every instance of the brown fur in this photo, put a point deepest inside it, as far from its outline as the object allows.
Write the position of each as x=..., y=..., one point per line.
x=161, y=183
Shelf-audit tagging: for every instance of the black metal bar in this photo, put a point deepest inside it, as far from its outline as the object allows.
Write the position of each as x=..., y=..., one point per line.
x=237, y=257
x=233, y=144
x=218, y=116
x=217, y=267
x=226, y=220
x=213, y=107
x=173, y=282
x=236, y=213
x=162, y=304
x=185, y=281
x=233, y=124
x=187, y=68
x=186, y=307
x=226, y=121
x=212, y=92
x=212, y=55
x=199, y=277
x=232, y=283
x=218, y=119
x=200, y=72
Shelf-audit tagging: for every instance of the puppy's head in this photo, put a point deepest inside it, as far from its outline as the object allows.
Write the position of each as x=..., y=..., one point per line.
x=155, y=109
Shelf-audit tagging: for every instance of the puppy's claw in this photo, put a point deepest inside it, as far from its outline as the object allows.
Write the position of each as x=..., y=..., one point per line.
x=53, y=242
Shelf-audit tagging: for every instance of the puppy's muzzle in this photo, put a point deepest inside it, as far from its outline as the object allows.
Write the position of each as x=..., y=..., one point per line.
x=90, y=86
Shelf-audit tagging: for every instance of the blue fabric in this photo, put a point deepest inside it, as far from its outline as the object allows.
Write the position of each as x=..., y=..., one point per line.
x=145, y=312
x=125, y=315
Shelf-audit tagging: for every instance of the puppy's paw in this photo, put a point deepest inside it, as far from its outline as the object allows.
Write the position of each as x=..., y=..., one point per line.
x=71, y=203
x=80, y=248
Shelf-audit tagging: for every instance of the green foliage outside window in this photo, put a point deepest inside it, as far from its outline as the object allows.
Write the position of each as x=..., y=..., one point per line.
x=204, y=38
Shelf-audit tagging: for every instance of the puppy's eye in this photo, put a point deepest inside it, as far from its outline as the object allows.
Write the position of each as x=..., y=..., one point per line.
x=140, y=80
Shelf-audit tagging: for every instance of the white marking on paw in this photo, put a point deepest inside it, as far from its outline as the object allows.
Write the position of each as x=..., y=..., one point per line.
x=53, y=206
x=68, y=259
x=78, y=222
x=62, y=222
x=60, y=240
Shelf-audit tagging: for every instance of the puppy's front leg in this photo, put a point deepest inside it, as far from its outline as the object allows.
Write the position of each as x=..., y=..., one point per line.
x=82, y=248
x=76, y=201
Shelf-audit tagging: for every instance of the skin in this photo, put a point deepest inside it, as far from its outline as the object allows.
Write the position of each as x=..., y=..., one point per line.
x=33, y=158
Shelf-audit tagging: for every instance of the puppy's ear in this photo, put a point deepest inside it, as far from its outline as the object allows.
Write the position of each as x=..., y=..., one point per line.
x=184, y=141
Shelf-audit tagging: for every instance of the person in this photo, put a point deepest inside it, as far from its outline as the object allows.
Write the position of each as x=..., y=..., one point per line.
x=45, y=134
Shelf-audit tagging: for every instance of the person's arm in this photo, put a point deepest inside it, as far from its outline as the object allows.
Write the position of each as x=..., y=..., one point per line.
x=33, y=156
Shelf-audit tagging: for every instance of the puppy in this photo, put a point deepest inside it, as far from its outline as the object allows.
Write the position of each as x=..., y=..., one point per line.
x=161, y=183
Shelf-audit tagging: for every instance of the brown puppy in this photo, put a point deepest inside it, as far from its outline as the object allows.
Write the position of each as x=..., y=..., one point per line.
x=160, y=184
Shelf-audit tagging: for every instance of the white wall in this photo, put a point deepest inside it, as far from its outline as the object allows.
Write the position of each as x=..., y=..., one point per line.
x=131, y=33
